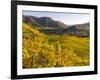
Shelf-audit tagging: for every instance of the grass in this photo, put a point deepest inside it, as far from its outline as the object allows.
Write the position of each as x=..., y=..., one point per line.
x=41, y=50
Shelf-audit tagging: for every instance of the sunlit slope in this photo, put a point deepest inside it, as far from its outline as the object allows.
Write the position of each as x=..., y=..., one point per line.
x=79, y=44
x=41, y=50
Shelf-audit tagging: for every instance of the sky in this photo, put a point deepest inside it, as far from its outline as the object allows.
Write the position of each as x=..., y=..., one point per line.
x=65, y=17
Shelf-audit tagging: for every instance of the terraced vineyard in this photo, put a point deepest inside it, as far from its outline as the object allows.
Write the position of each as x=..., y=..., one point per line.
x=41, y=50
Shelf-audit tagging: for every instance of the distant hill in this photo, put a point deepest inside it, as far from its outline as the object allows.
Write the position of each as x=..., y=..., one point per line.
x=79, y=29
x=44, y=22
x=80, y=26
x=49, y=26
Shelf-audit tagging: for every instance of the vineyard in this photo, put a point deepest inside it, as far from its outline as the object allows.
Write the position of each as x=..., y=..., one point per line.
x=41, y=50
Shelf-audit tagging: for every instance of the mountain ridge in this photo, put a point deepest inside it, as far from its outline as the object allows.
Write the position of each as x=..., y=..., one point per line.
x=49, y=26
x=44, y=22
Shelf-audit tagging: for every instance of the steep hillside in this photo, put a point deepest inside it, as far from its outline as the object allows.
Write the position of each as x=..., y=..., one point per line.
x=43, y=22
x=41, y=50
